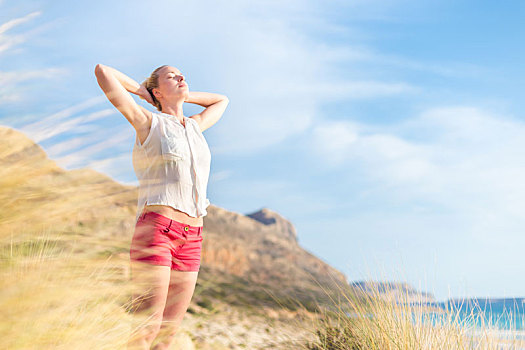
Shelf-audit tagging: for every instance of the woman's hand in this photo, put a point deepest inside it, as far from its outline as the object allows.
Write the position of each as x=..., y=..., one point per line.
x=144, y=94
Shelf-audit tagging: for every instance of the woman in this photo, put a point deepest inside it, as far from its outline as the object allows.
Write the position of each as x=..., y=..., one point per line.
x=172, y=161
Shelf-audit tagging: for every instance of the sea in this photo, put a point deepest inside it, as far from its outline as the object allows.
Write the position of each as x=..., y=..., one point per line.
x=502, y=314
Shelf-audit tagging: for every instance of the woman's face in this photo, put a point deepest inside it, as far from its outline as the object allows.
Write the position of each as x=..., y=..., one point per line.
x=172, y=85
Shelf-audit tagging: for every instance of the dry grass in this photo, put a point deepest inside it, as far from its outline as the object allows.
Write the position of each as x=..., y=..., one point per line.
x=52, y=300
x=376, y=321
x=52, y=295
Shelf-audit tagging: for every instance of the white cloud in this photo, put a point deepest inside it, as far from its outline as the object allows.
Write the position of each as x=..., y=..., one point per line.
x=60, y=121
x=101, y=144
x=332, y=140
x=10, y=82
x=446, y=185
x=113, y=166
x=9, y=42
x=50, y=128
x=464, y=159
x=17, y=21
x=280, y=77
x=78, y=151
x=368, y=55
x=12, y=87
x=344, y=90
x=220, y=175
x=61, y=148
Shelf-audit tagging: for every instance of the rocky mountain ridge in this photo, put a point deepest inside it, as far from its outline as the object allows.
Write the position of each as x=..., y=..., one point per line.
x=394, y=291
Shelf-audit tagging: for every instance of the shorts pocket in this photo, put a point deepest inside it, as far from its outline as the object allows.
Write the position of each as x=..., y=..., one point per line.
x=175, y=235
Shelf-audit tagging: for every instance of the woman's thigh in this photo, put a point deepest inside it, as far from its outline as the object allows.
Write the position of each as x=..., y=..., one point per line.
x=181, y=288
x=150, y=285
x=180, y=292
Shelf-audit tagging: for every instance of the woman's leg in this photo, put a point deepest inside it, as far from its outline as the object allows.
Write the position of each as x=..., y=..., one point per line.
x=150, y=288
x=181, y=288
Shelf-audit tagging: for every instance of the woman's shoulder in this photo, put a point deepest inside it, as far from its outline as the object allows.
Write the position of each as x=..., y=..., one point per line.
x=195, y=124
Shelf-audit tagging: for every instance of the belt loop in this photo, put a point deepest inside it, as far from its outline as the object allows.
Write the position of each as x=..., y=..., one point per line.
x=167, y=228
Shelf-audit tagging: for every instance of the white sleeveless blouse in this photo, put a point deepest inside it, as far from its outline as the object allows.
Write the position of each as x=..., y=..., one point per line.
x=173, y=165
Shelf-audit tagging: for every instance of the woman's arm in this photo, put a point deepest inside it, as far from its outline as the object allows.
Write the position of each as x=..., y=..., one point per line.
x=204, y=99
x=116, y=86
x=215, y=106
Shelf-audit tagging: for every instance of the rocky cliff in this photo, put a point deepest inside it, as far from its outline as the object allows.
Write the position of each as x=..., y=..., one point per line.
x=393, y=291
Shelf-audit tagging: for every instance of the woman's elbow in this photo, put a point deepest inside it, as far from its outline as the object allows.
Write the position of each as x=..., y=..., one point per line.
x=99, y=68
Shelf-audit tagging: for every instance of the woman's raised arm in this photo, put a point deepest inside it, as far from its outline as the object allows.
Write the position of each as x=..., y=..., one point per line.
x=117, y=87
x=215, y=106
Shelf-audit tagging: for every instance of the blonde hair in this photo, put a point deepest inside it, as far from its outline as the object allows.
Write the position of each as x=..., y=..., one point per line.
x=151, y=83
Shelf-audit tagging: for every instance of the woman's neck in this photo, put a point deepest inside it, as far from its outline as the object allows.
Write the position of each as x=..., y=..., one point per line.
x=174, y=110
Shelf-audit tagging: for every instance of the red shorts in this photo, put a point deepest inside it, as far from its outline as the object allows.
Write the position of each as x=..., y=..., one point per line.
x=159, y=240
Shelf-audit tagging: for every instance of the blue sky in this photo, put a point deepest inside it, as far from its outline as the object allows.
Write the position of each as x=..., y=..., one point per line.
x=390, y=133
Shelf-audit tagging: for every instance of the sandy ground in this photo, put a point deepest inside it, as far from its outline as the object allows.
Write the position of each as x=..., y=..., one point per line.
x=230, y=328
